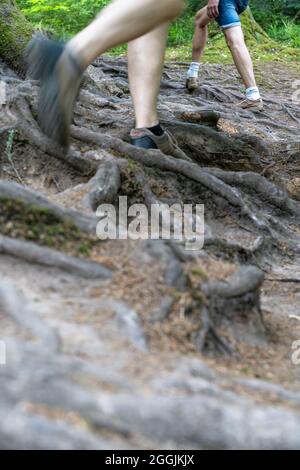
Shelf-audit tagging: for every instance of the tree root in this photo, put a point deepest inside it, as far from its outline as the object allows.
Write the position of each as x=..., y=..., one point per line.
x=260, y=186
x=269, y=218
x=155, y=158
x=104, y=185
x=33, y=253
x=14, y=191
x=31, y=131
x=223, y=299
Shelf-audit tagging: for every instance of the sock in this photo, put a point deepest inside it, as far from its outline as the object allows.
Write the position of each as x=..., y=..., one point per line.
x=193, y=70
x=252, y=93
x=156, y=130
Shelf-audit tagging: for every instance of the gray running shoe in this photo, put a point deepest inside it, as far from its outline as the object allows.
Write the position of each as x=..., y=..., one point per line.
x=61, y=76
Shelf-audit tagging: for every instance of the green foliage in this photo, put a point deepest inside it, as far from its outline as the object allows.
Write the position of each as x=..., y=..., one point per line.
x=66, y=17
x=15, y=32
x=271, y=15
x=287, y=31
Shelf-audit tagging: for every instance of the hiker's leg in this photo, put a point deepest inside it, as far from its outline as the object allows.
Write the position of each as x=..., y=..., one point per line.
x=199, y=43
x=120, y=22
x=61, y=70
x=200, y=35
x=145, y=67
x=229, y=21
x=236, y=43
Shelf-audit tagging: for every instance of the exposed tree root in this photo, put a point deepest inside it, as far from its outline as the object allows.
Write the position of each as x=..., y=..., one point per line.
x=29, y=128
x=33, y=253
x=14, y=191
x=104, y=185
x=154, y=158
x=239, y=294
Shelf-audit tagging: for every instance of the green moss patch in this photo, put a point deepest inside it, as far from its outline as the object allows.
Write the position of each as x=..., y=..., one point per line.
x=15, y=33
x=35, y=224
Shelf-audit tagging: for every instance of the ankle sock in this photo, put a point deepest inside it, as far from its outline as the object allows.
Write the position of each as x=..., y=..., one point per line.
x=193, y=70
x=156, y=130
x=252, y=93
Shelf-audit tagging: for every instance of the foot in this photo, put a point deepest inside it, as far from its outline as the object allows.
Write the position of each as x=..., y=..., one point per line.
x=257, y=105
x=192, y=84
x=60, y=76
x=166, y=143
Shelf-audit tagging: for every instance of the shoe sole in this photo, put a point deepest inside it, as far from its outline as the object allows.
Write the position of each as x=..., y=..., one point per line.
x=254, y=110
x=144, y=143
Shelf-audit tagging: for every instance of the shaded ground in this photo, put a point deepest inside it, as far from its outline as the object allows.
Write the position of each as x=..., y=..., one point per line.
x=115, y=352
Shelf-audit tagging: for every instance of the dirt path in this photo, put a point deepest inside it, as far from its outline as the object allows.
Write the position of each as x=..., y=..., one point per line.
x=117, y=360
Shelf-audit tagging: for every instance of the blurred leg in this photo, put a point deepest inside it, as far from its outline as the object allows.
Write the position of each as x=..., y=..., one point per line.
x=121, y=22
x=200, y=35
x=61, y=68
x=145, y=66
x=199, y=43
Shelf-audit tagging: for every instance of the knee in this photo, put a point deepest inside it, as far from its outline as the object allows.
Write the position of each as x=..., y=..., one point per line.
x=171, y=9
x=200, y=24
x=201, y=19
x=233, y=43
x=177, y=7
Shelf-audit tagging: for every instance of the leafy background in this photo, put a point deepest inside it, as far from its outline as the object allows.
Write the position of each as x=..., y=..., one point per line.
x=279, y=18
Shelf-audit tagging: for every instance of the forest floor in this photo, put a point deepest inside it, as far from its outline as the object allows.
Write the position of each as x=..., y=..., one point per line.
x=139, y=346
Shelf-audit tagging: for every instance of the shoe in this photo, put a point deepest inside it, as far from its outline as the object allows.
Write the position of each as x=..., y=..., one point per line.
x=257, y=105
x=166, y=143
x=60, y=76
x=192, y=84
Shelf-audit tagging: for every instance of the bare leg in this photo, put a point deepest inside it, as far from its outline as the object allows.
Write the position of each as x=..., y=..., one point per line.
x=200, y=35
x=236, y=43
x=199, y=42
x=120, y=22
x=145, y=62
x=145, y=67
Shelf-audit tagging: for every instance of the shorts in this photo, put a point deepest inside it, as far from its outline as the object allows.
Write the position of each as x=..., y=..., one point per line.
x=229, y=11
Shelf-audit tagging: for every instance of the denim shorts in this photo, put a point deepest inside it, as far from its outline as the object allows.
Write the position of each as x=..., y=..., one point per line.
x=229, y=11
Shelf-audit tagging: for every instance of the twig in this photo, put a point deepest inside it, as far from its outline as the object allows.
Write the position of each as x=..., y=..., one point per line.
x=9, y=153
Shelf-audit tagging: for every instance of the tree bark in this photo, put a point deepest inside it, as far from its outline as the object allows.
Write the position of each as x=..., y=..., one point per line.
x=15, y=32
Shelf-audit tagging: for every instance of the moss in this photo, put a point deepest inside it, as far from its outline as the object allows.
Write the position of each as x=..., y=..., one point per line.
x=41, y=226
x=200, y=272
x=132, y=164
x=261, y=46
x=15, y=32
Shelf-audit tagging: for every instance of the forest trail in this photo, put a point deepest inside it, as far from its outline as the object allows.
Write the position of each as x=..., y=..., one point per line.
x=126, y=344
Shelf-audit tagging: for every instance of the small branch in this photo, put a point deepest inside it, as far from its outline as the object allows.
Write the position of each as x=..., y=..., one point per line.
x=9, y=153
